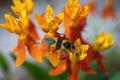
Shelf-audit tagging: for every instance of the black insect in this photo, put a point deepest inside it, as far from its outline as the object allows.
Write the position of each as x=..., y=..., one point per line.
x=59, y=43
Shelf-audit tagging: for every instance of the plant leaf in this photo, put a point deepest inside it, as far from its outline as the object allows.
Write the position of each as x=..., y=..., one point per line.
x=3, y=63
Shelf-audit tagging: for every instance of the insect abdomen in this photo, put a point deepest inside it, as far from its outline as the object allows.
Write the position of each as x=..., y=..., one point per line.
x=59, y=42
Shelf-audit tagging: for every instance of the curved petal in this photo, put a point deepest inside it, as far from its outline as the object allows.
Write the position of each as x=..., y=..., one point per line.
x=21, y=53
x=49, y=11
x=41, y=20
x=54, y=57
x=28, y=5
x=33, y=31
x=59, y=17
x=33, y=48
x=59, y=69
x=35, y=52
x=88, y=70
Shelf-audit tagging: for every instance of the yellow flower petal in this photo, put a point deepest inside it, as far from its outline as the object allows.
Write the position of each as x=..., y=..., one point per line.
x=79, y=53
x=41, y=20
x=103, y=41
x=54, y=57
x=49, y=11
x=77, y=42
x=11, y=25
x=60, y=16
x=28, y=5
x=20, y=5
x=84, y=50
x=17, y=7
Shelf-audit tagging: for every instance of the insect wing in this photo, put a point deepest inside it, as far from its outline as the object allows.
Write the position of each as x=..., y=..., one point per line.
x=49, y=41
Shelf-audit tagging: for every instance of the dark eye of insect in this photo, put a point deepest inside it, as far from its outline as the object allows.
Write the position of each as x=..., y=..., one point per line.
x=67, y=45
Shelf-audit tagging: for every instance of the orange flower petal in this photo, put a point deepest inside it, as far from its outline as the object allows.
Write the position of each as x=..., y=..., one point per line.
x=44, y=47
x=41, y=20
x=33, y=31
x=92, y=6
x=73, y=72
x=59, y=69
x=33, y=48
x=66, y=21
x=21, y=53
x=72, y=33
x=54, y=57
x=14, y=50
x=108, y=11
x=88, y=70
x=35, y=52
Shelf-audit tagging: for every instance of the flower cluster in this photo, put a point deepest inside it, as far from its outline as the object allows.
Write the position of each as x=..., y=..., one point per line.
x=66, y=51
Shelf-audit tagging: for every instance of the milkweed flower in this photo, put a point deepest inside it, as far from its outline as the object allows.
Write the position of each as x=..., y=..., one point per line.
x=71, y=62
x=22, y=27
x=73, y=32
x=20, y=5
x=103, y=41
x=19, y=27
x=74, y=13
x=15, y=25
x=66, y=51
x=77, y=56
x=27, y=6
x=50, y=24
x=79, y=53
x=74, y=20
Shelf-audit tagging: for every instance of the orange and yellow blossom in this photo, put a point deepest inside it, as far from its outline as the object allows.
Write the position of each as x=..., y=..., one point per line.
x=20, y=5
x=25, y=29
x=75, y=19
x=25, y=5
x=15, y=25
x=71, y=62
x=50, y=25
x=20, y=27
x=72, y=32
x=75, y=13
x=103, y=41
x=78, y=54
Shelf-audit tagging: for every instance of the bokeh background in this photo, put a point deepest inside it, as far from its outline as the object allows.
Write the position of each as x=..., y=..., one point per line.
x=32, y=70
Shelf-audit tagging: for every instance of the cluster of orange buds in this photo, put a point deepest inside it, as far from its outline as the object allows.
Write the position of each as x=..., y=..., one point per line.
x=66, y=51
x=25, y=29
